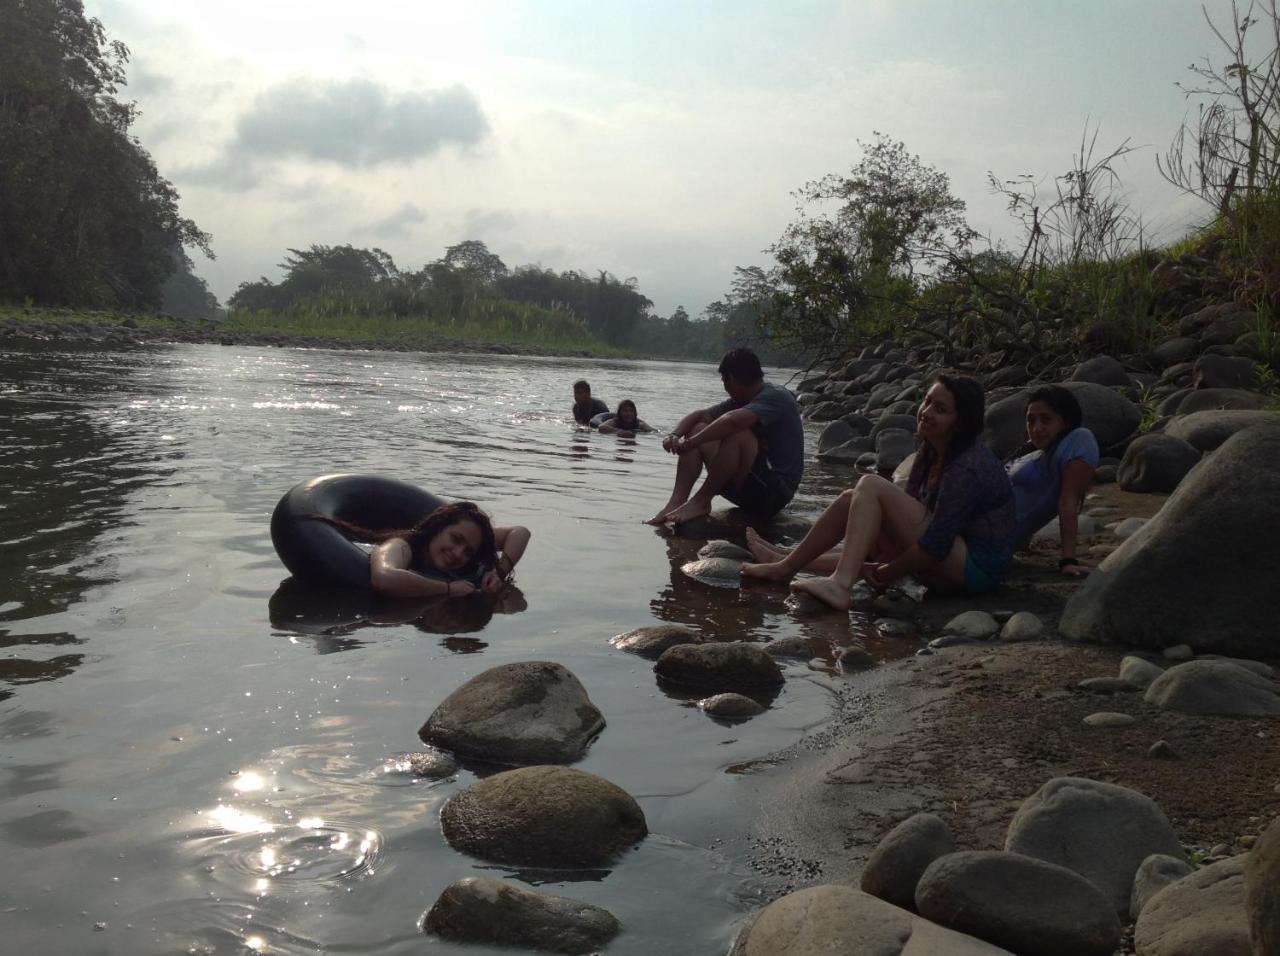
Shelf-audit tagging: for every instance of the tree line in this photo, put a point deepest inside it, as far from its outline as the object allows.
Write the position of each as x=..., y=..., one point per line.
x=85, y=217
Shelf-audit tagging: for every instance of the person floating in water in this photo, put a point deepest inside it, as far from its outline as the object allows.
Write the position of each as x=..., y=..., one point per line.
x=585, y=407
x=454, y=551
x=625, y=422
x=752, y=447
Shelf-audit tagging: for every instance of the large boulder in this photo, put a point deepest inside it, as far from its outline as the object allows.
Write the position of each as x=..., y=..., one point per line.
x=1100, y=830
x=1225, y=371
x=523, y=713
x=482, y=910
x=1156, y=463
x=1200, y=915
x=733, y=666
x=1213, y=399
x=1173, y=351
x=1209, y=429
x=1215, y=687
x=543, y=817
x=903, y=855
x=826, y=920
x=1262, y=892
x=1021, y=903
x=1196, y=572
x=1109, y=415
x=1102, y=370
x=893, y=445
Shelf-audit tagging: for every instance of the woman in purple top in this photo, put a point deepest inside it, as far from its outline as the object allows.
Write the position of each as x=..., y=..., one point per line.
x=1056, y=474
x=953, y=525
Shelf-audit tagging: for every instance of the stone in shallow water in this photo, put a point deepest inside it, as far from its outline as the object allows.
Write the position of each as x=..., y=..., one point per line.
x=736, y=666
x=717, y=572
x=790, y=647
x=650, y=642
x=725, y=549
x=856, y=659
x=429, y=764
x=543, y=817
x=731, y=706
x=523, y=713
x=483, y=910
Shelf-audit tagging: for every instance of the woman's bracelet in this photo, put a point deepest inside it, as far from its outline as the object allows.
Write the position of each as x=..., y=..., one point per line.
x=1066, y=562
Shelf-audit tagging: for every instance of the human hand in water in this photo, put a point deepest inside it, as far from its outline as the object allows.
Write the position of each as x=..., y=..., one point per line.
x=461, y=589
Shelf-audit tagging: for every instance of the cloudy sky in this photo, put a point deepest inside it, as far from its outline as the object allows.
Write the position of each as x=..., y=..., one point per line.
x=654, y=139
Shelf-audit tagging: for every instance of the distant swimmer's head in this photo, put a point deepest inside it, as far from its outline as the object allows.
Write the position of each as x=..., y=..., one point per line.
x=741, y=373
x=456, y=539
x=581, y=392
x=627, y=416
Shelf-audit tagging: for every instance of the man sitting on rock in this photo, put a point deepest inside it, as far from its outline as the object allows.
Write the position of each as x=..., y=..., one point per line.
x=752, y=447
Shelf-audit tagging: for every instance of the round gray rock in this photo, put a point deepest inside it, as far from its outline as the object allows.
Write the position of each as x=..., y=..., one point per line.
x=1209, y=429
x=1213, y=399
x=1102, y=370
x=900, y=859
x=718, y=572
x=1156, y=463
x=828, y=920
x=1156, y=872
x=725, y=549
x=543, y=817
x=482, y=910
x=731, y=706
x=650, y=642
x=976, y=625
x=1110, y=718
x=1100, y=830
x=1215, y=687
x=1150, y=590
x=1022, y=626
x=1262, y=891
x=1200, y=915
x=1139, y=671
x=1023, y=904
x=734, y=666
x=794, y=646
x=523, y=713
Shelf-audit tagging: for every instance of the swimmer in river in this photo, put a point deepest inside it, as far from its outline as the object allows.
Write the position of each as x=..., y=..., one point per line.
x=625, y=422
x=585, y=407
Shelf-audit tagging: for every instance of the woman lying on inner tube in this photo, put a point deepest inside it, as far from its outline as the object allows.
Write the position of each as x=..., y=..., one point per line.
x=457, y=541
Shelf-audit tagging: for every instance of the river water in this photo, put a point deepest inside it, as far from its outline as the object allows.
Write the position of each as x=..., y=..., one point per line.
x=196, y=759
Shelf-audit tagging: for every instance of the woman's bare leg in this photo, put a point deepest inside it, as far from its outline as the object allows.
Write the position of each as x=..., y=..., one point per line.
x=876, y=506
x=766, y=553
x=826, y=531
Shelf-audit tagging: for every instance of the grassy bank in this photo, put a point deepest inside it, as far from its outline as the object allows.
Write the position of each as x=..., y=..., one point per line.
x=506, y=331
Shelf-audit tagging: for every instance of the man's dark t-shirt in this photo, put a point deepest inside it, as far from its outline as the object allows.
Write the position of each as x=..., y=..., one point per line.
x=583, y=415
x=780, y=431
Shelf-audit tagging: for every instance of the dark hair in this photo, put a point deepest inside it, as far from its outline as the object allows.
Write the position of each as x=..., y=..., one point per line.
x=1065, y=404
x=582, y=383
x=971, y=411
x=420, y=535
x=635, y=415
x=742, y=366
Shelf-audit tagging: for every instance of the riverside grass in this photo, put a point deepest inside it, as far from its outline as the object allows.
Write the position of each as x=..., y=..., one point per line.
x=525, y=328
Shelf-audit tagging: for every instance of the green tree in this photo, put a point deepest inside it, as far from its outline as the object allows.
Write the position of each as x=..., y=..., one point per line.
x=85, y=218
x=850, y=266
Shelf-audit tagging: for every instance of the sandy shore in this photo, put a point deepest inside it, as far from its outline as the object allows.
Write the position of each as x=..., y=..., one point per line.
x=969, y=731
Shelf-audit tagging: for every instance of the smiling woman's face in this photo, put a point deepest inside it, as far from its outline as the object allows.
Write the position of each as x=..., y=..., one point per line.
x=454, y=546
x=936, y=420
x=1044, y=425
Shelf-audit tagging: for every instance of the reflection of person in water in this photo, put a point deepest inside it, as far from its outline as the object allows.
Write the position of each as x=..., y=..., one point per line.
x=625, y=422
x=452, y=552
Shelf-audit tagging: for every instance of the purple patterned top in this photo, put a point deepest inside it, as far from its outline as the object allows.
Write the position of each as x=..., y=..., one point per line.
x=974, y=501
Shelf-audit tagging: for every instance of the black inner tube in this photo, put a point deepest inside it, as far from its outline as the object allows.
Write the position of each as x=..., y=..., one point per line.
x=316, y=552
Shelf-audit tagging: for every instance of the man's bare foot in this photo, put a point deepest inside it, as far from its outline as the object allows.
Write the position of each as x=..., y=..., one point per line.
x=762, y=550
x=693, y=508
x=827, y=590
x=767, y=571
x=661, y=517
